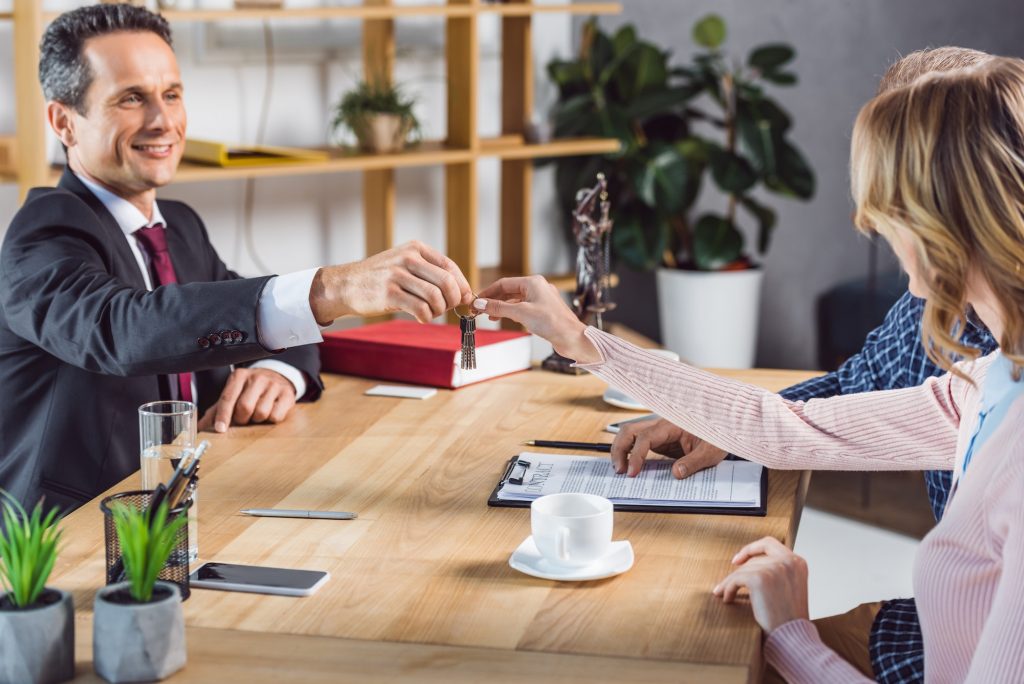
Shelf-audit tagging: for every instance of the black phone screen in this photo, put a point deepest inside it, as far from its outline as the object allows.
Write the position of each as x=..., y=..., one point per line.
x=283, y=578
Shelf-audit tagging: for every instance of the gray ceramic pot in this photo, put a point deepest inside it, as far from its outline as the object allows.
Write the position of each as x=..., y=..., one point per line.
x=37, y=645
x=138, y=642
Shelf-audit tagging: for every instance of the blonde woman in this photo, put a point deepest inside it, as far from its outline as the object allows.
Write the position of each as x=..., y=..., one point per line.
x=938, y=170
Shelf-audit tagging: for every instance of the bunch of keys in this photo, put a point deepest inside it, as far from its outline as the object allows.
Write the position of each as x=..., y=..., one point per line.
x=467, y=324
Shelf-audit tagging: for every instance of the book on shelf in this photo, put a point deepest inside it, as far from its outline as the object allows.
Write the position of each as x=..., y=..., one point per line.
x=223, y=154
x=423, y=354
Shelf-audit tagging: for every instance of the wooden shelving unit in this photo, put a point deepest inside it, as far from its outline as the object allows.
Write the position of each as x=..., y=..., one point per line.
x=457, y=153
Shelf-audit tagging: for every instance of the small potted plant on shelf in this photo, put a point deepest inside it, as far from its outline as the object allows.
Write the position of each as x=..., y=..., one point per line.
x=37, y=623
x=138, y=627
x=711, y=119
x=379, y=115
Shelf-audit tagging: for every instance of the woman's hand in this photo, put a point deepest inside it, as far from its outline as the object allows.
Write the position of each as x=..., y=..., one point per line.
x=775, y=578
x=635, y=440
x=538, y=305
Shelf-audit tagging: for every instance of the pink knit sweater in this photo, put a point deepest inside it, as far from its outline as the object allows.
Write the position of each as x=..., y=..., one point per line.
x=969, y=570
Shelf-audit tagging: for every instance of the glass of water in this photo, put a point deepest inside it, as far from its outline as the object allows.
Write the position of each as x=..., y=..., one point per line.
x=167, y=433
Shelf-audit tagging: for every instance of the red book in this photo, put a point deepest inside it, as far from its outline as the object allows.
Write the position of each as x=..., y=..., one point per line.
x=415, y=353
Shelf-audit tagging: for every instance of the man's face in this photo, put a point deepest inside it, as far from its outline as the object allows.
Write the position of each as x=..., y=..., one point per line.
x=132, y=134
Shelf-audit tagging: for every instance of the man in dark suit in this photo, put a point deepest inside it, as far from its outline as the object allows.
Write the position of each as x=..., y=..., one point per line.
x=110, y=299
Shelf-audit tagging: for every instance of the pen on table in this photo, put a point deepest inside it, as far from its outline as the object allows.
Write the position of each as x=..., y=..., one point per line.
x=284, y=513
x=584, y=446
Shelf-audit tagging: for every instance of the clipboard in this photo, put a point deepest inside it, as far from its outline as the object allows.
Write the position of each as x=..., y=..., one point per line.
x=512, y=472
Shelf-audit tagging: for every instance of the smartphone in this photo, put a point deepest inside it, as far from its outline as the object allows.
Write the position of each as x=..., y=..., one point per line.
x=258, y=579
x=614, y=427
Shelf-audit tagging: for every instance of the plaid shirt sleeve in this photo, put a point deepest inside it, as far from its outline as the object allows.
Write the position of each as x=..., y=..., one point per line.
x=880, y=364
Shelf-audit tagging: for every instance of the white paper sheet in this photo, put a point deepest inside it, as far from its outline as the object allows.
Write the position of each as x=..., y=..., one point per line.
x=731, y=484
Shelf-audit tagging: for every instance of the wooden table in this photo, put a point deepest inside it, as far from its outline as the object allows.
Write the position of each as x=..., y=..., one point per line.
x=420, y=585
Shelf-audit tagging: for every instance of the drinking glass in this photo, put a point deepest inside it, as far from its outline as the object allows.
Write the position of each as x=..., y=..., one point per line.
x=167, y=433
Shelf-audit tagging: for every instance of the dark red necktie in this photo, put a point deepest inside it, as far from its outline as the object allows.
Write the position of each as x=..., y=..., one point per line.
x=154, y=239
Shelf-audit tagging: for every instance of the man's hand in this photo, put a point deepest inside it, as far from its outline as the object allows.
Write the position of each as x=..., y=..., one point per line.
x=412, y=277
x=635, y=440
x=251, y=395
x=775, y=578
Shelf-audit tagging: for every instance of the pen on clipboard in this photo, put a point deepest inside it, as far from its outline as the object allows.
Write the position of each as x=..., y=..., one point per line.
x=583, y=446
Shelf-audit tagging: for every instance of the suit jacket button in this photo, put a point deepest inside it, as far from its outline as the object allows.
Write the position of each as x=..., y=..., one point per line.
x=203, y=343
x=215, y=339
x=236, y=336
x=226, y=336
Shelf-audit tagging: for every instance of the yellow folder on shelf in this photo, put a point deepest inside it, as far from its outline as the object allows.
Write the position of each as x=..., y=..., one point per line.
x=222, y=154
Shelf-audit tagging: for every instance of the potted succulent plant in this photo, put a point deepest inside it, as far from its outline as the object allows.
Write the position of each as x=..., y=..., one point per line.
x=37, y=623
x=679, y=126
x=138, y=626
x=379, y=115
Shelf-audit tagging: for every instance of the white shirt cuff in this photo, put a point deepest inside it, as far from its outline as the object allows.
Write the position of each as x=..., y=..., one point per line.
x=293, y=374
x=284, y=317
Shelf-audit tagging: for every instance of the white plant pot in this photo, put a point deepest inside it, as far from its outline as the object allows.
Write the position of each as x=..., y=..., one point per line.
x=710, y=318
x=37, y=645
x=138, y=642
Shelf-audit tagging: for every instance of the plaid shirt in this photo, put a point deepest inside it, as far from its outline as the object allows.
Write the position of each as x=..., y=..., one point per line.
x=892, y=357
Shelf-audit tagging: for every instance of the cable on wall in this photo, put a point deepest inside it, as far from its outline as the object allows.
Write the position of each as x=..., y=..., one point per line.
x=249, y=193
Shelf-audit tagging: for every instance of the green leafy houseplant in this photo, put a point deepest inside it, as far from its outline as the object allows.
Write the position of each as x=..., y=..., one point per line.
x=146, y=543
x=379, y=115
x=28, y=551
x=677, y=126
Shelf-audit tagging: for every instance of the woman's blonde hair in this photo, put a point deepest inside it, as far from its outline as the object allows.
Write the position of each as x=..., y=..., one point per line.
x=942, y=161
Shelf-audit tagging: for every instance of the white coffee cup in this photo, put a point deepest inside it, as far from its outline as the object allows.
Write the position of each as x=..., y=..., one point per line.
x=572, y=530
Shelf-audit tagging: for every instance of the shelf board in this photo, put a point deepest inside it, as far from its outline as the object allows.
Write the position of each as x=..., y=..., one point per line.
x=427, y=153
x=513, y=148
x=375, y=12
x=6, y=16
x=525, y=9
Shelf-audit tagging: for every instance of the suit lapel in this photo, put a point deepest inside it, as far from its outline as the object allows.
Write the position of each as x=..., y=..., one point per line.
x=127, y=268
x=186, y=266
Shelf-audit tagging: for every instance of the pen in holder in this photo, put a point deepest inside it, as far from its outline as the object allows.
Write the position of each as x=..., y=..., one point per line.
x=176, y=570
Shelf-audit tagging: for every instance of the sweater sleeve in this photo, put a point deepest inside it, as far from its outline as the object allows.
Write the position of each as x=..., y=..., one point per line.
x=905, y=429
x=796, y=650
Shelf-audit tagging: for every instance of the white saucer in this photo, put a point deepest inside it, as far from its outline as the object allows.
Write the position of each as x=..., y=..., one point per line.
x=622, y=400
x=527, y=559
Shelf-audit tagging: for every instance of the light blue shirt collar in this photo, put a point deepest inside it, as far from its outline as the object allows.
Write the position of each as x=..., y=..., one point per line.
x=1000, y=387
x=127, y=215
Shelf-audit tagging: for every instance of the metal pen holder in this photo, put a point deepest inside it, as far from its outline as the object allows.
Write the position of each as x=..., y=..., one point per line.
x=176, y=570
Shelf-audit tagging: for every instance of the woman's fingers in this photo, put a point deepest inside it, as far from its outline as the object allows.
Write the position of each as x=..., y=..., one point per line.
x=766, y=546
x=496, y=308
x=729, y=588
x=505, y=289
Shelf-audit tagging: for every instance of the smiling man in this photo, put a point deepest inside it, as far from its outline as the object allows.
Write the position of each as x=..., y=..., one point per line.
x=110, y=298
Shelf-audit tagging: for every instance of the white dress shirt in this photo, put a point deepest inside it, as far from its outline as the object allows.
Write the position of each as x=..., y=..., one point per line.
x=283, y=313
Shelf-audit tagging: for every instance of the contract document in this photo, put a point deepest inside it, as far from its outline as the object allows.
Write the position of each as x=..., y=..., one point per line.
x=729, y=485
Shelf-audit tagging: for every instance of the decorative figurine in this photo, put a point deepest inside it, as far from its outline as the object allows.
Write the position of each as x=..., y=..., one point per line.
x=592, y=229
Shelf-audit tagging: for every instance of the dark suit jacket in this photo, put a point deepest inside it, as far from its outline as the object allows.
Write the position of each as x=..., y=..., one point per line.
x=83, y=343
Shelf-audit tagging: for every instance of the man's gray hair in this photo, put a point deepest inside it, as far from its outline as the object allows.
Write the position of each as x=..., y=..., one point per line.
x=64, y=72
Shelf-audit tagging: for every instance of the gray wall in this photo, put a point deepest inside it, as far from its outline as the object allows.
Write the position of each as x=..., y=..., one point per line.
x=843, y=46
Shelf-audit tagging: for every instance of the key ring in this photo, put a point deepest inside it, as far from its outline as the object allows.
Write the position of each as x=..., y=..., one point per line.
x=473, y=313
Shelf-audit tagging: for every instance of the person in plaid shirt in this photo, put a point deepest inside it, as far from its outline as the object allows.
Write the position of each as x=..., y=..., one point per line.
x=892, y=357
